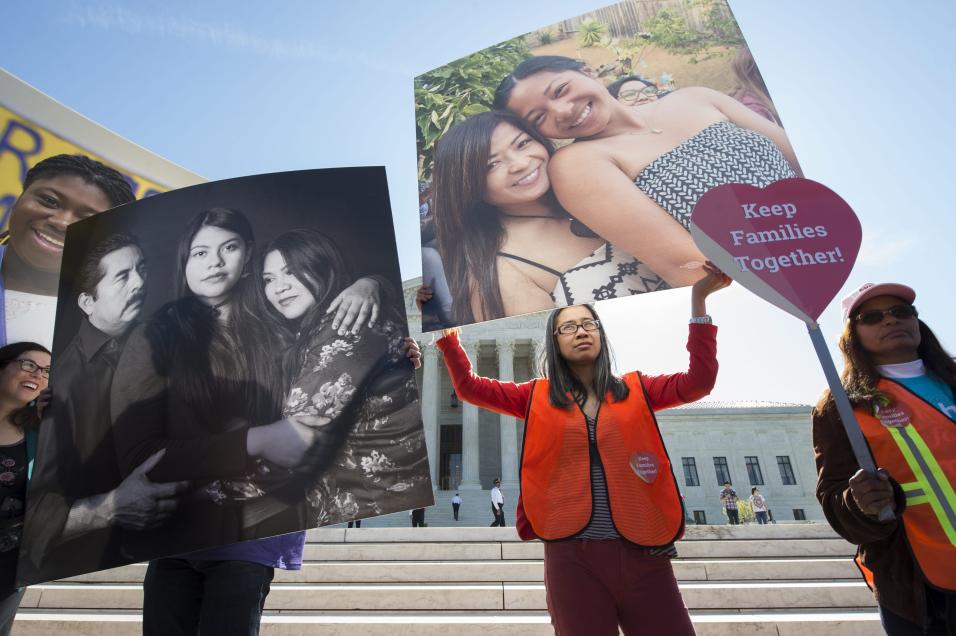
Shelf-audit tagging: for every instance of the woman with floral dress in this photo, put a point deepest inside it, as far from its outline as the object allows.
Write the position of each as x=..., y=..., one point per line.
x=354, y=388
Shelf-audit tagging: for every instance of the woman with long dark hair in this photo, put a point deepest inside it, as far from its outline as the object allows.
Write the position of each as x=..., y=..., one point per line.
x=24, y=372
x=354, y=389
x=634, y=173
x=199, y=379
x=596, y=481
x=901, y=383
x=507, y=245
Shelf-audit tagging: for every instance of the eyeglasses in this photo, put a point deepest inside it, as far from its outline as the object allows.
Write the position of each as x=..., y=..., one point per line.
x=631, y=95
x=570, y=328
x=875, y=316
x=32, y=367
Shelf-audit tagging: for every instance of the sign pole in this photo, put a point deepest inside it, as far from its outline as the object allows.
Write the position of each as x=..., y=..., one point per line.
x=845, y=409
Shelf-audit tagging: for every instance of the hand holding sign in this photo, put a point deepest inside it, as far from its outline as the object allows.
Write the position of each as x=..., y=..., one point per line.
x=793, y=244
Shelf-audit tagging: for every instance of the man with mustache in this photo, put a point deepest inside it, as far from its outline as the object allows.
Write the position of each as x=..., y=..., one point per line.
x=82, y=497
x=56, y=192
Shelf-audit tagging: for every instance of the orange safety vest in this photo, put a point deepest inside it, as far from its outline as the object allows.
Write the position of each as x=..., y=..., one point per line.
x=556, y=457
x=916, y=444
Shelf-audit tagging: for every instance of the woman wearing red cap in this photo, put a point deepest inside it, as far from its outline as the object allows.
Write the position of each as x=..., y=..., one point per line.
x=901, y=382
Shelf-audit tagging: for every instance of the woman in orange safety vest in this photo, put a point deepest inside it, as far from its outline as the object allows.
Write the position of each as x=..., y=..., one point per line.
x=901, y=382
x=596, y=482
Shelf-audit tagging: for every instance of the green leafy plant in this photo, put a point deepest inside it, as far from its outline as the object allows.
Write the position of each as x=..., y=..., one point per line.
x=591, y=32
x=457, y=90
x=545, y=37
x=670, y=31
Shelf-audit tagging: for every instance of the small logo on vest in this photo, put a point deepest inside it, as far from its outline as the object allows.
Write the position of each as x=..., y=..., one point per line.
x=645, y=466
x=893, y=415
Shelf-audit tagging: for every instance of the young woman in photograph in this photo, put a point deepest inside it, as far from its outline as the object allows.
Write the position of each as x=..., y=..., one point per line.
x=199, y=381
x=24, y=373
x=507, y=245
x=596, y=482
x=635, y=172
x=354, y=389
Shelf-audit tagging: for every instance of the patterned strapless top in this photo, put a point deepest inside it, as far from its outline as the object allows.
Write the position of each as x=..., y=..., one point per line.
x=719, y=154
x=608, y=272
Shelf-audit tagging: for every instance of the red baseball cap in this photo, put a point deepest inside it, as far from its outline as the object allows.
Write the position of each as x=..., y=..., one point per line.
x=868, y=290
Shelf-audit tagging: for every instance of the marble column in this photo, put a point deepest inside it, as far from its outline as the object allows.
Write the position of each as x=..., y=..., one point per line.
x=507, y=424
x=469, y=433
x=431, y=380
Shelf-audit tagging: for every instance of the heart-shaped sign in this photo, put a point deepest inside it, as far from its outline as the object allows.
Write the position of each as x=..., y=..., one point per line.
x=645, y=466
x=792, y=243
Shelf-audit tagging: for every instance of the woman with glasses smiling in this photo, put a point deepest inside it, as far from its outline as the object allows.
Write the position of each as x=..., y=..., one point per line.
x=24, y=372
x=596, y=482
x=901, y=383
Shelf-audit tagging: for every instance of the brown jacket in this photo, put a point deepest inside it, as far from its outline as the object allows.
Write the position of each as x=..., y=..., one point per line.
x=898, y=584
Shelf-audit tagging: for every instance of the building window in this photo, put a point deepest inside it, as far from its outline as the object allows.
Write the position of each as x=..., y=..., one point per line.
x=798, y=515
x=700, y=517
x=723, y=472
x=690, y=471
x=786, y=471
x=753, y=471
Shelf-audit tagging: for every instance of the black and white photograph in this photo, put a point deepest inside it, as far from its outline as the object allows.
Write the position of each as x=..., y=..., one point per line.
x=231, y=363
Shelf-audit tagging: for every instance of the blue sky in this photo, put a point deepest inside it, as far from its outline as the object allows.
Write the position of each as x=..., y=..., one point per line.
x=229, y=88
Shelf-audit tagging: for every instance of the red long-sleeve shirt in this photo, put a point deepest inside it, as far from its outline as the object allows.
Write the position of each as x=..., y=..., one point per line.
x=510, y=398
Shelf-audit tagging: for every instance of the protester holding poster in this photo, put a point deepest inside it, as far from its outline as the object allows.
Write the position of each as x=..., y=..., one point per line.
x=591, y=513
x=635, y=173
x=901, y=383
x=504, y=238
x=56, y=192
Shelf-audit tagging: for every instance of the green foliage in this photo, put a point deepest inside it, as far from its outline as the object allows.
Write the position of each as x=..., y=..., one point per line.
x=670, y=31
x=628, y=53
x=455, y=91
x=545, y=37
x=591, y=32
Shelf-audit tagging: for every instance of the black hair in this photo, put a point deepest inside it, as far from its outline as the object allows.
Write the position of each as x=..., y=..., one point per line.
x=615, y=87
x=527, y=68
x=753, y=490
x=225, y=369
x=317, y=262
x=563, y=381
x=91, y=271
x=114, y=185
x=25, y=417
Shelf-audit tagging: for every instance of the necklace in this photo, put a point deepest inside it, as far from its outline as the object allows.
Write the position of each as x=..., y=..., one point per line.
x=577, y=228
x=648, y=128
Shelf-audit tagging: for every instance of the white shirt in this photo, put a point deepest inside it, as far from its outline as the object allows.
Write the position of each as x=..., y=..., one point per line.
x=456, y=499
x=496, y=498
x=30, y=317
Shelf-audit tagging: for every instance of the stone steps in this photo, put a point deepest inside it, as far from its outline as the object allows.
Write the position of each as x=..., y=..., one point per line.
x=774, y=580
x=733, y=623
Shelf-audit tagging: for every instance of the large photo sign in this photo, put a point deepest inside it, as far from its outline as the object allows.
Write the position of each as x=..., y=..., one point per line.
x=562, y=166
x=230, y=365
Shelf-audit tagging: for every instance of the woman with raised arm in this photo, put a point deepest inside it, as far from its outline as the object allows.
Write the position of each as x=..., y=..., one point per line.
x=634, y=173
x=596, y=481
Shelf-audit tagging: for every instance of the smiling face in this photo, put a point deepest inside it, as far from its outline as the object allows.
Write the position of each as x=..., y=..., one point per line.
x=216, y=259
x=19, y=386
x=38, y=219
x=582, y=346
x=283, y=289
x=517, y=168
x=636, y=92
x=563, y=105
x=120, y=292
x=892, y=340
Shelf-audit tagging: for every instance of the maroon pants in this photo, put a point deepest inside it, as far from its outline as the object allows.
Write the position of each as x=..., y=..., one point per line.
x=595, y=586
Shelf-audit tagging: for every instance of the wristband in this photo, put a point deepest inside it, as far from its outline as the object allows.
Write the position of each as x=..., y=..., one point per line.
x=701, y=320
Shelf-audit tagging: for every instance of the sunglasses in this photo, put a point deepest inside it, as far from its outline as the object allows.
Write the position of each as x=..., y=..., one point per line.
x=875, y=316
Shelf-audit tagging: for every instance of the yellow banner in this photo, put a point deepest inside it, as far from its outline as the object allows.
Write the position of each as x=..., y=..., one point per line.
x=23, y=144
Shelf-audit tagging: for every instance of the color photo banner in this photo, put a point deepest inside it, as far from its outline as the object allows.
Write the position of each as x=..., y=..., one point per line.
x=204, y=393
x=562, y=166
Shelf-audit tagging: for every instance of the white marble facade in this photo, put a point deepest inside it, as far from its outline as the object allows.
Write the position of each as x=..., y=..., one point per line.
x=488, y=445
